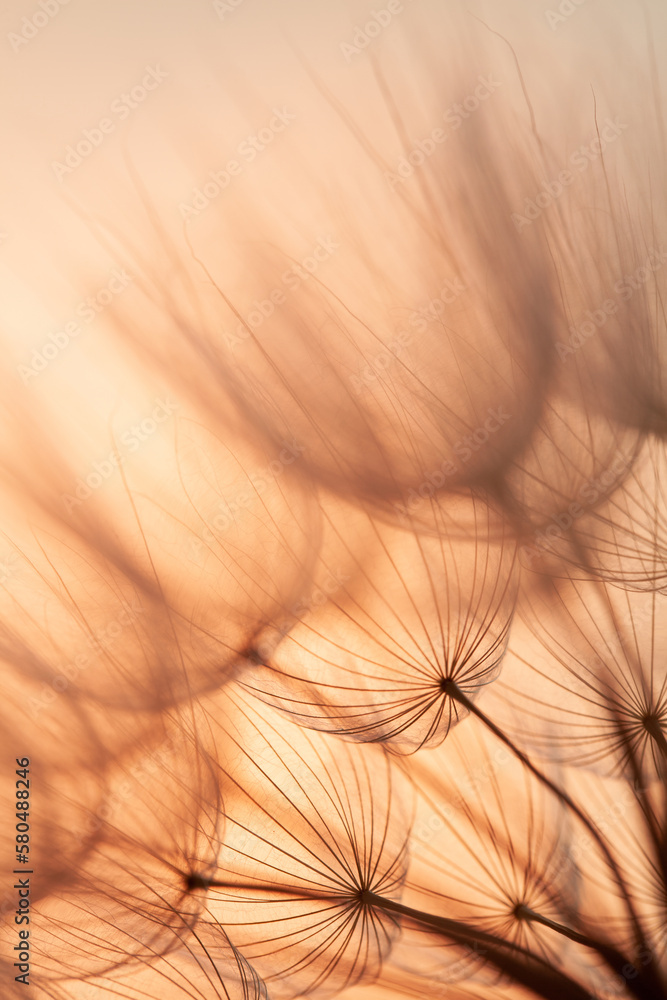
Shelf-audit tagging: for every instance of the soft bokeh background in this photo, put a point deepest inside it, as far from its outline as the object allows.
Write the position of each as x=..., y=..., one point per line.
x=223, y=70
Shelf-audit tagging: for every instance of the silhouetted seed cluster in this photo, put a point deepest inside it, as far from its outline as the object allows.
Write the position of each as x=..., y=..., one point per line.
x=364, y=692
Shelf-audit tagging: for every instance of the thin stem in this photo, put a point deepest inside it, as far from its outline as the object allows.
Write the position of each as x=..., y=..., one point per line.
x=515, y=961
x=523, y=912
x=520, y=964
x=614, y=958
x=654, y=986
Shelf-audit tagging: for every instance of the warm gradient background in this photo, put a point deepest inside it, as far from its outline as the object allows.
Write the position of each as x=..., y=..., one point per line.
x=225, y=71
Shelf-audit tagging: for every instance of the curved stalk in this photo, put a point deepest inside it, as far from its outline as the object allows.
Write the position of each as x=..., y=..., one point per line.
x=520, y=964
x=509, y=958
x=650, y=973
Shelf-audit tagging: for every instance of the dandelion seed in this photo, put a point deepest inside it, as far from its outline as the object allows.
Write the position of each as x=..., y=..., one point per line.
x=414, y=611
x=312, y=825
x=122, y=901
x=596, y=694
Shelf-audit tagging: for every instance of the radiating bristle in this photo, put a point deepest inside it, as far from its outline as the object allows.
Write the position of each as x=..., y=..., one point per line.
x=333, y=561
